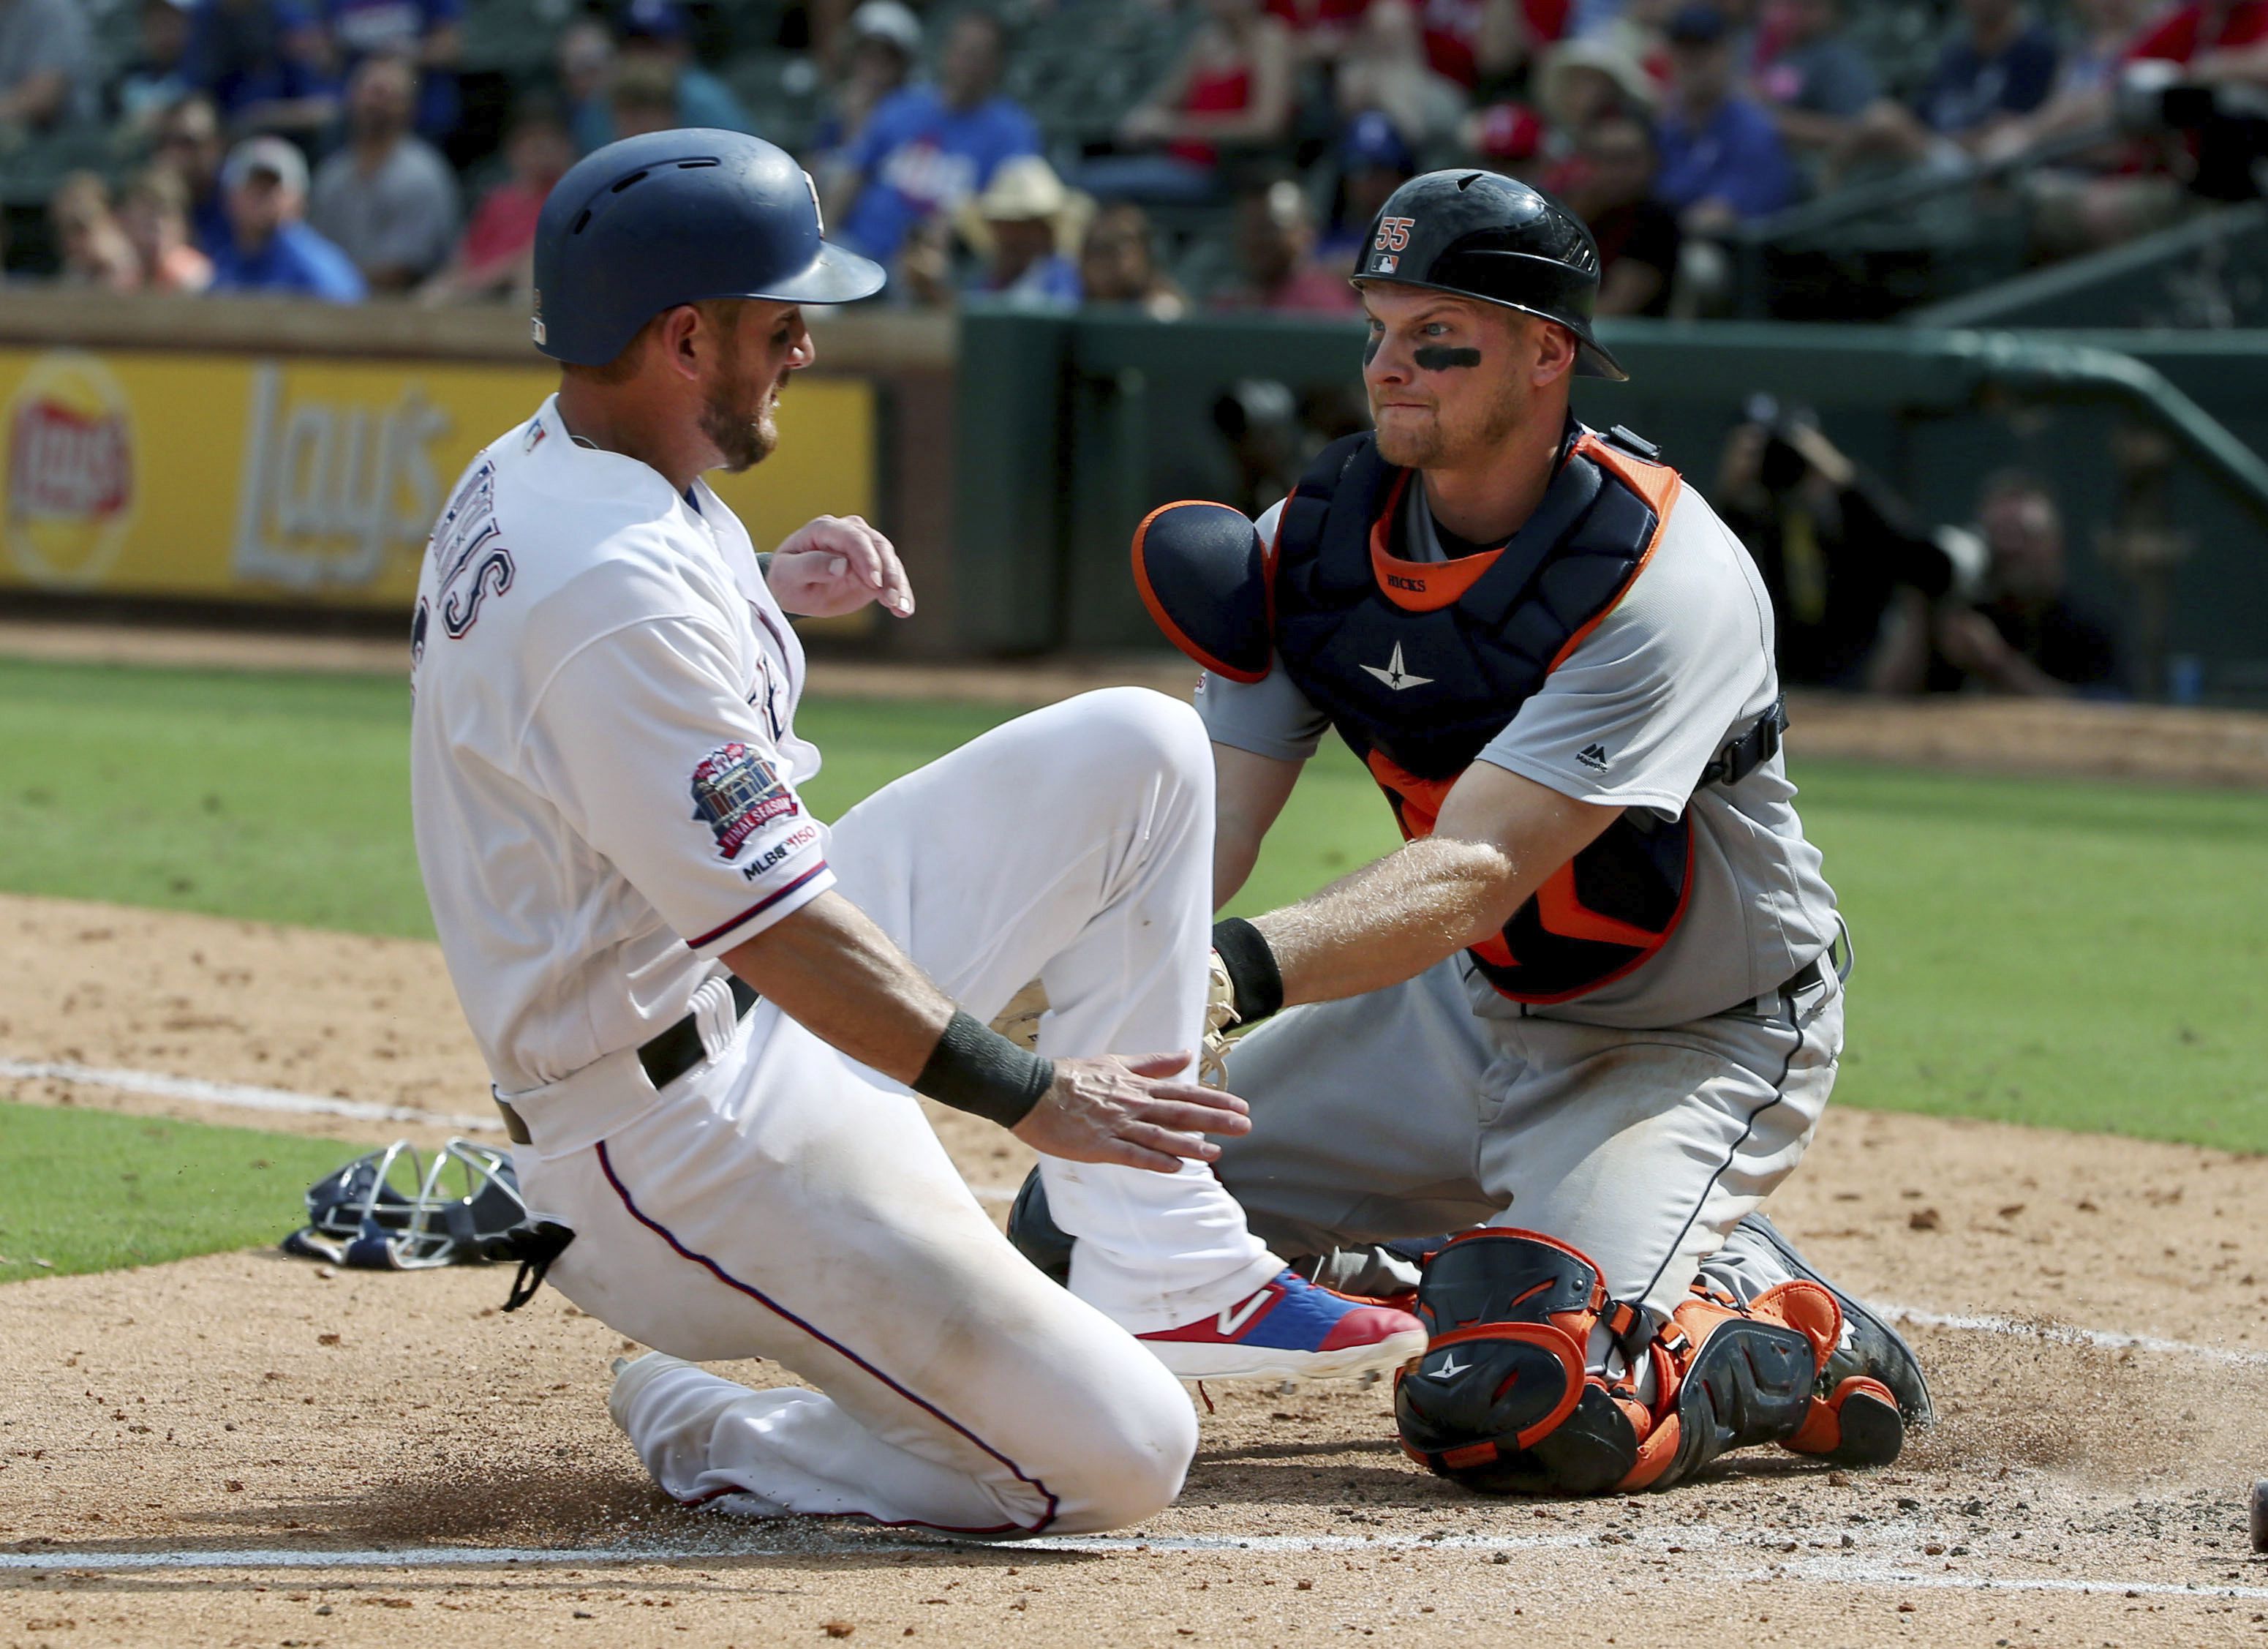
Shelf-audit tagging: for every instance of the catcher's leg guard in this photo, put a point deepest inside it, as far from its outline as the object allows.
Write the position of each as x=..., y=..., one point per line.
x=1870, y=1347
x=1501, y=1400
x=1035, y=1233
x=1734, y=1377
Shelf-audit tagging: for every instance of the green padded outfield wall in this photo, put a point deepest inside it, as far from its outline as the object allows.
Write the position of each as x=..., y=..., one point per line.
x=1072, y=427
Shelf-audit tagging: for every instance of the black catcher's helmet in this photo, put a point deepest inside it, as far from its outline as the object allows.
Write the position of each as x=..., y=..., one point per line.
x=1484, y=236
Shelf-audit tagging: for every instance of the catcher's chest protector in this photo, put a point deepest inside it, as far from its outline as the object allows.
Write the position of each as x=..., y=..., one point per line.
x=1419, y=664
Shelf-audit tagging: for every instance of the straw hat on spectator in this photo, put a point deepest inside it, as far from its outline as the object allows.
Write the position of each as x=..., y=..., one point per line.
x=1639, y=94
x=1025, y=189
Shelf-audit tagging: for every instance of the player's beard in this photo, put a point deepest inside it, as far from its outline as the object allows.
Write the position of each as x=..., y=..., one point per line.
x=1433, y=445
x=742, y=436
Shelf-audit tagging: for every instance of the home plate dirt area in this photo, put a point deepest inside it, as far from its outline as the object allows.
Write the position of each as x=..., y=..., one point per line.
x=250, y=1449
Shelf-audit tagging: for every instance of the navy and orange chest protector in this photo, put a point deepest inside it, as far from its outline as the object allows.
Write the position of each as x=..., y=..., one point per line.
x=1418, y=665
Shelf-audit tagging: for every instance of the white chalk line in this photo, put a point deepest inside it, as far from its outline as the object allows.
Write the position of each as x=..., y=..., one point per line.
x=1830, y=1569
x=2066, y=1333
x=243, y=1096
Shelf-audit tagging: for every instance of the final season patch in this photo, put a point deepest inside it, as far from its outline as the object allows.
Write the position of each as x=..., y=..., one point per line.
x=736, y=793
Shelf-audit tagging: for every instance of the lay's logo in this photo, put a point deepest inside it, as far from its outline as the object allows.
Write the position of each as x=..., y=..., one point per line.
x=69, y=472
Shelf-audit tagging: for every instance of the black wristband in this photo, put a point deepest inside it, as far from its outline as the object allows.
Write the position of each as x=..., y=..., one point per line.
x=977, y=1070
x=1252, y=970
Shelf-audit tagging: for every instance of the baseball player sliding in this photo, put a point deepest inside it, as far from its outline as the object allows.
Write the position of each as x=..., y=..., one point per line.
x=706, y=1013
x=1588, y=1015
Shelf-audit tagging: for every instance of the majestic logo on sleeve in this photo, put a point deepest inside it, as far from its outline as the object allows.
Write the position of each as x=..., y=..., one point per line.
x=1393, y=676
x=736, y=793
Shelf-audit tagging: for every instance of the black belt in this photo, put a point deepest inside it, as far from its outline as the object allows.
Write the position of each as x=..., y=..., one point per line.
x=669, y=1056
x=664, y=1058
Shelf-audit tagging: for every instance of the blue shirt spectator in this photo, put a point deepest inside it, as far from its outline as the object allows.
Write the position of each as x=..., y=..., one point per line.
x=260, y=62
x=1722, y=158
x=423, y=31
x=1734, y=156
x=919, y=155
x=927, y=149
x=2003, y=64
x=653, y=34
x=294, y=260
x=268, y=248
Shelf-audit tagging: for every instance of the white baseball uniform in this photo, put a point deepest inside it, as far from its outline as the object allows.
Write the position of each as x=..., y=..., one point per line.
x=604, y=786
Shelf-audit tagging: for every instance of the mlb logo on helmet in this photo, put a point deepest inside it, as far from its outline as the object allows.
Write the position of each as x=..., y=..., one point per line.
x=736, y=793
x=1386, y=265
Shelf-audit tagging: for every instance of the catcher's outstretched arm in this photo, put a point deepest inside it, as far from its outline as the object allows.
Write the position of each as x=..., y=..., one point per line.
x=1498, y=839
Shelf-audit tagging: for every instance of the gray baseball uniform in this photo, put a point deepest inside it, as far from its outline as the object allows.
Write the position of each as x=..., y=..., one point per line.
x=1638, y=1122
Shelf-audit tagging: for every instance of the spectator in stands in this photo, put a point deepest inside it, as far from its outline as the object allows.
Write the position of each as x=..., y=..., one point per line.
x=1722, y=160
x=1321, y=30
x=1386, y=72
x=429, y=32
x=1118, y=264
x=1026, y=227
x=154, y=212
x=885, y=42
x=928, y=148
x=2022, y=634
x=1814, y=81
x=1276, y=256
x=95, y=250
x=263, y=63
x=2216, y=43
x=1579, y=81
x=641, y=97
x=495, y=257
x=653, y=31
x=1610, y=185
x=269, y=249
x=186, y=141
x=1994, y=74
x=1374, y=162
x=1832, y=546
x=1485, y=45
x=1233, y=86
x=388, y=199
x=47, y=64
x=585, y=56
x=157, y=76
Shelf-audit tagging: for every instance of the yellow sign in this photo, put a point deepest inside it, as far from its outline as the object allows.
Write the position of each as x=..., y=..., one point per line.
x=300, y=480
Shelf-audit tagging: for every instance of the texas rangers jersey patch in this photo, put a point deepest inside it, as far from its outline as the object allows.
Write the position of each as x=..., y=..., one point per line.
x=736, y=793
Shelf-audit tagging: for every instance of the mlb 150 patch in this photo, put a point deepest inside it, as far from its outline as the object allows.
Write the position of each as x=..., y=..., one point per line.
x=736, y=793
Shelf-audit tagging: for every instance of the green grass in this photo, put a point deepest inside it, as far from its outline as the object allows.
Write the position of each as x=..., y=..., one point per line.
x=2083, y=956
x=92, y=1190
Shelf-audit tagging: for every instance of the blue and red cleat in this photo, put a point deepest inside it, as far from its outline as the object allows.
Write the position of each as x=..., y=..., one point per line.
x=1290, y=1329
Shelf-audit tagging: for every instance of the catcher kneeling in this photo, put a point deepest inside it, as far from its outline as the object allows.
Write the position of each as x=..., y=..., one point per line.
x=1587, y=1017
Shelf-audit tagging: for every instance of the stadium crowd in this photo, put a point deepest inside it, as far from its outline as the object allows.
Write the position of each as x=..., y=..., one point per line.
x=325, y=147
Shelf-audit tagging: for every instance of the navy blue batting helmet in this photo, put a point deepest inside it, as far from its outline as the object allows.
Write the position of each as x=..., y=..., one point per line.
x=673, y=218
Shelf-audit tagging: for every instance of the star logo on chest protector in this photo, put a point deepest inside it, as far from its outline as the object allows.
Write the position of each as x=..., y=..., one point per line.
x=1393, y=675
x=1449, y=1366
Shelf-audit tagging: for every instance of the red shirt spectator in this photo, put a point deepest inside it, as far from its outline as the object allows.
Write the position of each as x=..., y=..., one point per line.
x=2188, y=30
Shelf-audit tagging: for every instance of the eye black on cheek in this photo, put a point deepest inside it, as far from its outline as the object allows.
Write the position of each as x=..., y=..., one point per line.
x=1440, y=358
x=1370, y=348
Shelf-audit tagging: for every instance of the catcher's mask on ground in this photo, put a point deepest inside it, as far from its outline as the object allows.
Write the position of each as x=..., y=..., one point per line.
x=397, y=1210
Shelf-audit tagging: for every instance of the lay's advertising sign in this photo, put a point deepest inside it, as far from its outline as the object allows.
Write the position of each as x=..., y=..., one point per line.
x=306, y=481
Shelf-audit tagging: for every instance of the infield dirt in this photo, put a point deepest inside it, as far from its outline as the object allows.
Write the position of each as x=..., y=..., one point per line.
x=223, y=1410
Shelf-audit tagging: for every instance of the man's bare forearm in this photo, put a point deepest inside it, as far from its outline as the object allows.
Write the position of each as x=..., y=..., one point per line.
x=1391, y=919
x=835, y=972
